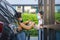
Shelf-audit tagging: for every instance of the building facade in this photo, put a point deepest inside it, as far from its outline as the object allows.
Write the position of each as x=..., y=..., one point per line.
x=30, y=5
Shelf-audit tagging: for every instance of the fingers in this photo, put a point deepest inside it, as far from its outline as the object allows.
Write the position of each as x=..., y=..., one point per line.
x=31, y=22
x=19, y=28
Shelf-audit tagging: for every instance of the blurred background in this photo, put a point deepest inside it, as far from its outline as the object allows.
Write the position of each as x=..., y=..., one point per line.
x=29, y=9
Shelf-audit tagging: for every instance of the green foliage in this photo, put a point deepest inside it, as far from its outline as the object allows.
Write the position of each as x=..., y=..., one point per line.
x=57, y=16
x=33, y=32
x=31, y=17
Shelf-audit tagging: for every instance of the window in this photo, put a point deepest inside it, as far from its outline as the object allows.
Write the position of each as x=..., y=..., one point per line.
x=2, y=3
x=7, y=6
x=3, y=18
x=11, y=10
x=19, y=6
x=33, y=7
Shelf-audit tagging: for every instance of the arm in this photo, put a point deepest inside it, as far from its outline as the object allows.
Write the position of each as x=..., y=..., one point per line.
x=26, y=22
x=57, y=22
x=19, y=28
x=26, y=27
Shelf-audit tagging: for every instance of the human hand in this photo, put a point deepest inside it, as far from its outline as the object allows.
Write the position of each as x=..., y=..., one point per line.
x=27, y=21
x=37, y=27
x=19, y=28
x=32, y=22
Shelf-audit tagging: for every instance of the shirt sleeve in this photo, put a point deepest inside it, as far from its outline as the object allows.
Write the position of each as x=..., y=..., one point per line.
x=40, y=21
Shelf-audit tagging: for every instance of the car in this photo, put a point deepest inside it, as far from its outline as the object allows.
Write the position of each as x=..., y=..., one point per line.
x=7, y=17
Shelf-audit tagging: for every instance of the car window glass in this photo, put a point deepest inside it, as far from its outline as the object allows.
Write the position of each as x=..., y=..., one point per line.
x=6, y=5
x=2, y=3
x=3, y=17
x=11, y=10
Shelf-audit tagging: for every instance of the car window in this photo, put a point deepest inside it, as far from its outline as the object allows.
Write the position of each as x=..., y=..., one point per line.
x=8, y=9
x=3, y=18
x=2, y=3
x=6, y=5
x=11, y=10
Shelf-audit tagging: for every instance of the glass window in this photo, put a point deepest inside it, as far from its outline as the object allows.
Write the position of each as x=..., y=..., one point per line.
x=19, y=6
x=2, y=3
x=6, y=5
x=11, y=10
x=3, y=17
